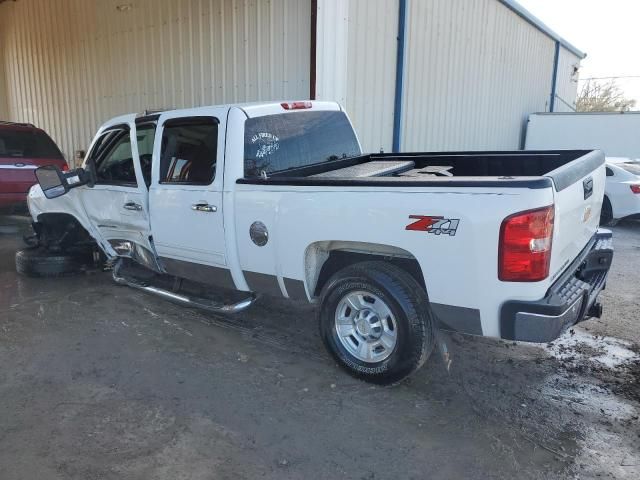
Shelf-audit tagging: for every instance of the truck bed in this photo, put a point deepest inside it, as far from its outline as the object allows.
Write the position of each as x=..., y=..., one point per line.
x=533, y=169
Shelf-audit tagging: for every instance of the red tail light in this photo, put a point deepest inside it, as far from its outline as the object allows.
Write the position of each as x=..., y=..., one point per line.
x=635, y=188
x=296, y=105
x=525, y=246
x=65, y=168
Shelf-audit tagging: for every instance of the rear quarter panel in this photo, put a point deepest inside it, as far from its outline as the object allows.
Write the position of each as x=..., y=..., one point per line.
x=459, y=270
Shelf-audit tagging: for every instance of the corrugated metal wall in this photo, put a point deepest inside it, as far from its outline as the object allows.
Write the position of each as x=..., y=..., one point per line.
x=4, y=105
x=372, y=53
x=474, y=71
x=331, y=53
x=356, y=62
x=71, y=64
x=567, y=81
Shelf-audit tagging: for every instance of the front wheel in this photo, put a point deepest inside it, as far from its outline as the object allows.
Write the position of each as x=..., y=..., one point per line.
x=38, y=262
x=376, y=322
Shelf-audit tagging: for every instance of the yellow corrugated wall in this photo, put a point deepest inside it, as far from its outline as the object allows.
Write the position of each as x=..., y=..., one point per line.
x=72, y=64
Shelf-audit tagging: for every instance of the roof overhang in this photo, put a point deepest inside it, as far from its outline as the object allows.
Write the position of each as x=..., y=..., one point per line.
x=540, y=25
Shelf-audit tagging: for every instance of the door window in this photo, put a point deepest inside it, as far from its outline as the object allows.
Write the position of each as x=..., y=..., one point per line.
x=115, y=165
x=189, y=150
x=145, y=135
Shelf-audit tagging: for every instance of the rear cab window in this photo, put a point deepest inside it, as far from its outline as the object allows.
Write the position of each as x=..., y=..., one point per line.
x=27, y=143
x=276, y=144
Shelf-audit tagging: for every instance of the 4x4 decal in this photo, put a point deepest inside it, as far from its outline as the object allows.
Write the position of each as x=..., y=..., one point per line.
x=435, y=225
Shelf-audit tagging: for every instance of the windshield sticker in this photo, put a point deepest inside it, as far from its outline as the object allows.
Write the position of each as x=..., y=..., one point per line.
x=267, y=144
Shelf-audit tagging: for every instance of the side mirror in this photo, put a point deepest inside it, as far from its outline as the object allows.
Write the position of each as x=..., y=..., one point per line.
x=55, y=182
x=52, y=181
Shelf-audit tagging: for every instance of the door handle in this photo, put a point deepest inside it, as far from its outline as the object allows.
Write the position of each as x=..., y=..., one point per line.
x=204, y=207
x=132, y=206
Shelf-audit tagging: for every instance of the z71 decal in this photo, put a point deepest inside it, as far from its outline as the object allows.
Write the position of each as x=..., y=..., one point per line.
x=435, y=225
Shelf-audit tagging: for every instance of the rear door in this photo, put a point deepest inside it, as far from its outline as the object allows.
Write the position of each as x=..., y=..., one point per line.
x=185, y=197
x=117, y=204
x=578, y=195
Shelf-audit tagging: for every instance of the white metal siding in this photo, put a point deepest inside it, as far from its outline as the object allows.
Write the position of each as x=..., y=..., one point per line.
x=567, y=81
x=331, y=50
x=71, y=64
x=371, y=81
x=474, y=71
x=4, y=105
x=356, y=64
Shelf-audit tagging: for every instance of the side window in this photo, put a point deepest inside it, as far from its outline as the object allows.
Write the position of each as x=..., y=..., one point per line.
x=188, y=152
x=99, y=148
x=115, y=164
x=145, y=135
x=609, y=172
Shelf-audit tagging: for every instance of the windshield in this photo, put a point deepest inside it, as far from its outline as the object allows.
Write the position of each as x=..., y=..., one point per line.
x=276, y=143
x=27, y=144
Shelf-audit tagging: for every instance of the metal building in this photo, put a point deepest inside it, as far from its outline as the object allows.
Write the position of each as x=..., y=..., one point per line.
x=412, y=74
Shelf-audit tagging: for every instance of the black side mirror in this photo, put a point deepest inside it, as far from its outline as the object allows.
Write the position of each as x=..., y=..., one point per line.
x=55, y=183
x=52, y=181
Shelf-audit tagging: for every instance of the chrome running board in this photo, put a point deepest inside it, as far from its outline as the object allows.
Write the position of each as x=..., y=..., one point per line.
x=196, y=302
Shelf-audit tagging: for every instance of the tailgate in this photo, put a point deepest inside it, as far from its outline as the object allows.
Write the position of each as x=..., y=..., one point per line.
x=579, y=190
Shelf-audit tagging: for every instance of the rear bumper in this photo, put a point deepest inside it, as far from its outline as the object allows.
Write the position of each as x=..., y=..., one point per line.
x=571, y=299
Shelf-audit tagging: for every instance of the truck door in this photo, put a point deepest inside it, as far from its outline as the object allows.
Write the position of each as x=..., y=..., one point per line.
x=185, y=198
x=117, y=205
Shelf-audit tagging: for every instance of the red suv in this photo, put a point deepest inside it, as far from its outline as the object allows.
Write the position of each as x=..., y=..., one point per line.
x=23, y=148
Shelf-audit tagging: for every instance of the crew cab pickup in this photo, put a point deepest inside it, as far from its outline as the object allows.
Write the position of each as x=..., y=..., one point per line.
x=278, y=198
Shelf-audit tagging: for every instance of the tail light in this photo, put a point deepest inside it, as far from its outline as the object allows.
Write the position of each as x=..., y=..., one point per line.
x=524, y=253
x=296, y=105
x=635, y=188
x=65, y=167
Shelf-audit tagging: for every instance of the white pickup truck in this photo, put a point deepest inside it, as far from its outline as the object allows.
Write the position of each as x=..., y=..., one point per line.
x=277, y=198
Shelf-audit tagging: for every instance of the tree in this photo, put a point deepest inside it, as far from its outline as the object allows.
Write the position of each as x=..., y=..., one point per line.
x=603, y=97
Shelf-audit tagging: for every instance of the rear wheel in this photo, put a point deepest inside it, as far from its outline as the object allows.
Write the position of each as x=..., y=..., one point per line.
x=376, y=322
x=38, y=262
x=606, y=215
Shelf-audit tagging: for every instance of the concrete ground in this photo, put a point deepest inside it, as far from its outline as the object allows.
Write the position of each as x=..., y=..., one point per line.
x=99, y=381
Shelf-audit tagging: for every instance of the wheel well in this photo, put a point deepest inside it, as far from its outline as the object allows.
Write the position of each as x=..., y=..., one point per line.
x=339, y=258
x=60, y=230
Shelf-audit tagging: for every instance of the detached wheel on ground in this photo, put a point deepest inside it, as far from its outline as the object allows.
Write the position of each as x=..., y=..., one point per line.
x=375, y=320
x=38, y=262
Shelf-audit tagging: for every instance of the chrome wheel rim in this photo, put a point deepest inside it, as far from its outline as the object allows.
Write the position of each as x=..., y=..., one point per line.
x=365, y=326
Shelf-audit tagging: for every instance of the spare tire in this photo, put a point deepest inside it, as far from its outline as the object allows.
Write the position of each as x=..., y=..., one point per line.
x=38, y=262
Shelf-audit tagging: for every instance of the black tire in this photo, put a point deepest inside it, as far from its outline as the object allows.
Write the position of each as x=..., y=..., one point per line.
x=37, y=262
x=409, y=305
x=606, y=214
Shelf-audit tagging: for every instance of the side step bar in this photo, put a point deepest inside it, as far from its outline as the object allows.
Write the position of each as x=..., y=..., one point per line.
x=197, y=302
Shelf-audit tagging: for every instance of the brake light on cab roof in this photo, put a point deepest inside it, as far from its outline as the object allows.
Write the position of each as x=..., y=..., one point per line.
x=296, y=105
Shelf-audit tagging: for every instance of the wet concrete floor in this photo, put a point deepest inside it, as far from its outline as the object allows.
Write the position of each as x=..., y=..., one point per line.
x=101, y=381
